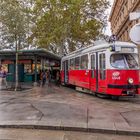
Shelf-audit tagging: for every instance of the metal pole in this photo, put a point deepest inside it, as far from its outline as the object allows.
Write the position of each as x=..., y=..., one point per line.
x=35, y=82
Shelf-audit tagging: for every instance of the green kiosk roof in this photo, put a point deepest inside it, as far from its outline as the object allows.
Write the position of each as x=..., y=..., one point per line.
x=31, y=52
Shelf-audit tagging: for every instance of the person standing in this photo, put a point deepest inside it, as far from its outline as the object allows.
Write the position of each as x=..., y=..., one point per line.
x=58, y=78
x=3, y=75
x=49, y=77
x=44, y=76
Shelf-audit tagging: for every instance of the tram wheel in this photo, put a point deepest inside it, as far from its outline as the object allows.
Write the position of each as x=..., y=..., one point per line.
x=96, y=94
x=115, y=97
x=103, y=96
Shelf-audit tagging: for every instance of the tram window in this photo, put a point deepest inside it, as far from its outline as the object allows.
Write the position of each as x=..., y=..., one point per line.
x=71, y=64
x=84, y=62
x=131, y=61
x=102, y=66
x=92, y=65
x=63, y=65
x=93, y=61
x=102, y=61
x=77, y=63
x=124, y=61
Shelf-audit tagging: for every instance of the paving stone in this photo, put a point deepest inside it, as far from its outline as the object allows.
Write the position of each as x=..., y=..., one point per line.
x=62, y=107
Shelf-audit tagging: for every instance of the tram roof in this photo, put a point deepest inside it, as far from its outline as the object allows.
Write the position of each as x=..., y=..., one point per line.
x=104, y=46
x=31, y=52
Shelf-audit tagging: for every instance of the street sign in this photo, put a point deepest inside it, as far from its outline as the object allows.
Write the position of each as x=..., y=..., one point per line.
x=134, y=15
x=134, y=33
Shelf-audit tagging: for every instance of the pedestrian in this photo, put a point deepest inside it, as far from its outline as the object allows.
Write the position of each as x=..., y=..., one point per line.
x=44, y=77
x=58, y=78
x=48, y=78
x=3, y=75
x=40, y=78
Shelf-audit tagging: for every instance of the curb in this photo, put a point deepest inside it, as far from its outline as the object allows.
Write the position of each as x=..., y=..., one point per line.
x=78, y=129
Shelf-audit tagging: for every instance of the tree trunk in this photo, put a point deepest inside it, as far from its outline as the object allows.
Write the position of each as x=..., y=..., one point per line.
x=16, y=78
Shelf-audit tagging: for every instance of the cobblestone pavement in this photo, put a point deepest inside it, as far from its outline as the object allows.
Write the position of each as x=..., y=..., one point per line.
x=25, y=134
x=64, y=108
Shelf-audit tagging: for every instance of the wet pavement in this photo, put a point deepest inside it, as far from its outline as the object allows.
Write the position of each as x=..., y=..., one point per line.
x=64, y=108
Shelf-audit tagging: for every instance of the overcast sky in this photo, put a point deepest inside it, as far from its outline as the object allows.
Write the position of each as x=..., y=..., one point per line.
x=108, y=30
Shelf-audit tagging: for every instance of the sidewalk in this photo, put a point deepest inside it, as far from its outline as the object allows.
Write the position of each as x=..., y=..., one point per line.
x=62, y=108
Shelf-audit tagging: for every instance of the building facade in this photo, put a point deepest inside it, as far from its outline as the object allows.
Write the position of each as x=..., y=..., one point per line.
x=119, y=18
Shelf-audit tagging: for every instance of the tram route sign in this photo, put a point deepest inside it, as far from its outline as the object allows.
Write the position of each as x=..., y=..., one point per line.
x=134, y=33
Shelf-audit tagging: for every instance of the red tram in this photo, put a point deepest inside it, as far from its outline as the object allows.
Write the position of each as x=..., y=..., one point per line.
x=109, y=69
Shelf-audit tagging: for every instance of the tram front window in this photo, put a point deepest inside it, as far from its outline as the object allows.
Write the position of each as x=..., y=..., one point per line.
x=124, y=61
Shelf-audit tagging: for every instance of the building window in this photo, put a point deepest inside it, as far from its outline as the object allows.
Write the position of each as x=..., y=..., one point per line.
x=84, y=62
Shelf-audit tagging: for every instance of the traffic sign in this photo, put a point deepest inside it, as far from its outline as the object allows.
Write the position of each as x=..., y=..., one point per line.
x=134, y=33
x=134, y=15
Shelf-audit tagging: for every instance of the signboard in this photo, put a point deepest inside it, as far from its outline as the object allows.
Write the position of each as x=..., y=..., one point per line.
x=24, y=61
x=134, y=33
x=7, y=62
x=134, y=15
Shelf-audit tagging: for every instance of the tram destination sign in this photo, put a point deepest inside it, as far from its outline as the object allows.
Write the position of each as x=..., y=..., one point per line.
x=127, y=49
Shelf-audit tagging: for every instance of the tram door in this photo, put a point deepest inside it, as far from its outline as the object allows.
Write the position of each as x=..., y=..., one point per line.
x=98, y=72
x=101, y=72
x=66, y=78
x=94, y=72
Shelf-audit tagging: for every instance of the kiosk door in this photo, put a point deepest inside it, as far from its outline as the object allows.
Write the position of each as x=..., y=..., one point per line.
x=21, y=72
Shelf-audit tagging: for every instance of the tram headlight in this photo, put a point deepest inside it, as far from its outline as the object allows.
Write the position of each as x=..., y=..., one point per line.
x=130, y=81
x=112, y=48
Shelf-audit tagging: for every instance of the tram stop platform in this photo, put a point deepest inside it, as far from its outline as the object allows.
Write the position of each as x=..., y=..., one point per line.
x=63, y=108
